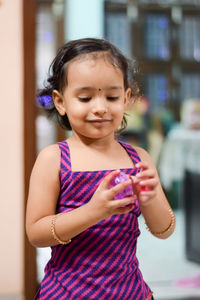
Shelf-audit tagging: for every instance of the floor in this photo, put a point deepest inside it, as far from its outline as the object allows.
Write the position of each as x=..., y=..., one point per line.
x=162, y=262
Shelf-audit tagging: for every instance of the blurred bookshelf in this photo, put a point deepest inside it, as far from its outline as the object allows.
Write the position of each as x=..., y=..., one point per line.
x=164, y=38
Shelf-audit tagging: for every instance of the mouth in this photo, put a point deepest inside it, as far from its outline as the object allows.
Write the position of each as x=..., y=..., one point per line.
x=99, y=120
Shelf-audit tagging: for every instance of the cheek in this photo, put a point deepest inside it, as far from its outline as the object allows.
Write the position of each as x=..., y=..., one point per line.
x=119, y=109
x=75, y=110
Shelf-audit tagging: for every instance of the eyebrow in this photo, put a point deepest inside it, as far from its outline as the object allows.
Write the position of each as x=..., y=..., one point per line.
x=89, y=88
x=115, y=87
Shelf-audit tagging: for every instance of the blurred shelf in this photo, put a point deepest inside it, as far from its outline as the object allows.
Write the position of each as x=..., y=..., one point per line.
x=165, y=40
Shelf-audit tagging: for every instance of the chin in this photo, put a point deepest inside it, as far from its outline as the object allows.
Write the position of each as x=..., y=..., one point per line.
x=96, y=136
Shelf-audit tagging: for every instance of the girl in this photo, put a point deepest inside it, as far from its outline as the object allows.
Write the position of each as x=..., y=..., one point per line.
x=71, y=206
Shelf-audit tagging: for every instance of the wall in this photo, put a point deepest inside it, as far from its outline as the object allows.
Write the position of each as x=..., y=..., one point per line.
x=11, y=158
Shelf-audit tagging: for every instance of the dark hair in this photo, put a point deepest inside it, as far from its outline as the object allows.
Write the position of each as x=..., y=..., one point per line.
x=58, y=78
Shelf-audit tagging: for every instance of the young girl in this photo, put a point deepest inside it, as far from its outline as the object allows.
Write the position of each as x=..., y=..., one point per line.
x=71, y=206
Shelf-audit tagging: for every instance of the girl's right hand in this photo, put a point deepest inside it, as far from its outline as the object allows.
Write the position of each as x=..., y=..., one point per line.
x=103, y=204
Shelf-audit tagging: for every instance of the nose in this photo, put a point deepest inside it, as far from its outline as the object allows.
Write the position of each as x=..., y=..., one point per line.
x=100, y=106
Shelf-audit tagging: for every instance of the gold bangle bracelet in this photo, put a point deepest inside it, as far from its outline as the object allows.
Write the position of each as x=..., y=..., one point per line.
x=56, y=238
x=172, y=222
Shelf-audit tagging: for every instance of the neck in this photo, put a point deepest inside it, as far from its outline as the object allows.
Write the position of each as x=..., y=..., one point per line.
x=99, y=143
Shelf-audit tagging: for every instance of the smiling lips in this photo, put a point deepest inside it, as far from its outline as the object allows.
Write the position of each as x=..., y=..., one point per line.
x=99, y=121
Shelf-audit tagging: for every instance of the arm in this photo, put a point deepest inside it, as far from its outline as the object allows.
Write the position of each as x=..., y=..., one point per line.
x=42, y=200
x=153, y=203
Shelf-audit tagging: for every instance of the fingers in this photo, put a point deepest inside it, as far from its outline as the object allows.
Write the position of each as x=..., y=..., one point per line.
x=146, y=197
x=147, y=190
x=126, y=209
x=142, y=165
x=105, y=184
x=147, y=176
x=135, y=190
x=117, y=188
x=120, y=206
x=148, y=184
x=123, y=205
x=146, y=173
x=144, y=185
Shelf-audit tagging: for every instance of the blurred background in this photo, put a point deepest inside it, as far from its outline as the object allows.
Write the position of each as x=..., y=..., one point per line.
x=163, y=38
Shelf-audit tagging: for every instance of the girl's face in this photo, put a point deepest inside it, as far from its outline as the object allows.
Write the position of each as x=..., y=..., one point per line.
x=94, y=98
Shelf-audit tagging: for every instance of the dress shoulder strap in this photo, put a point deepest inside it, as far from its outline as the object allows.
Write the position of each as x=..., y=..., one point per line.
x=132, y=152
x=65, y=163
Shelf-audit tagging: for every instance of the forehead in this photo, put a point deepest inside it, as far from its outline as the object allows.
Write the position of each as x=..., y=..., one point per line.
x=93, y=68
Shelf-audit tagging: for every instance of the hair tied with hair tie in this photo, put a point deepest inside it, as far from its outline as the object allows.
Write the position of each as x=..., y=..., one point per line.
x=45, y=101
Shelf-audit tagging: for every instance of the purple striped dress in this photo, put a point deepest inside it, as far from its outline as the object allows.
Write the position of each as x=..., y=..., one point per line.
x=99, y=263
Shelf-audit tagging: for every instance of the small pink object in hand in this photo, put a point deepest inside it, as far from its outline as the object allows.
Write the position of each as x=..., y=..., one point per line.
x=127, y=192
x=144, y=188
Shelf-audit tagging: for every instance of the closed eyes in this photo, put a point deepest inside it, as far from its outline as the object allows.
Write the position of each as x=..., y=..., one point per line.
x=113, y=98
x=86, y=99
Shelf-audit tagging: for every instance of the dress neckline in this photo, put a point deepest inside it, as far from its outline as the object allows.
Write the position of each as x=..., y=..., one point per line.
x=103, y=170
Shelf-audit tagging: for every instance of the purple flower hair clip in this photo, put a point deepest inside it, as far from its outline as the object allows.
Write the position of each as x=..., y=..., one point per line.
x=45, y=101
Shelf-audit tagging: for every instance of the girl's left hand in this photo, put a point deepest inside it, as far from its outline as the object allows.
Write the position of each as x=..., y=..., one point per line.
x=145, y=184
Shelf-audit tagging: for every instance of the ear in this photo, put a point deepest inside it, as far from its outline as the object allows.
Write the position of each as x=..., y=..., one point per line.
x=58, y=102
x=127, y=96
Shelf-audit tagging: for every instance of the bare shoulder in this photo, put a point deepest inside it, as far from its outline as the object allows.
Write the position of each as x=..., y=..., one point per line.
x=48, y=160
x=49, y=153
x=144, y=156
